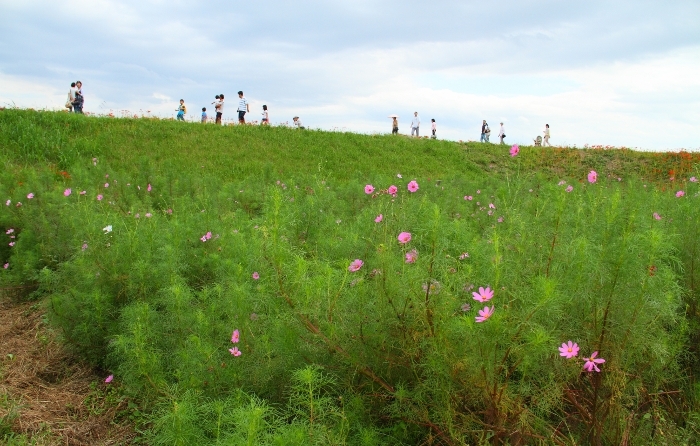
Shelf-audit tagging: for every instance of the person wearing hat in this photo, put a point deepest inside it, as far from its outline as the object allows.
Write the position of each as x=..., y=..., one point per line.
x=297, y=123
x=502, y=133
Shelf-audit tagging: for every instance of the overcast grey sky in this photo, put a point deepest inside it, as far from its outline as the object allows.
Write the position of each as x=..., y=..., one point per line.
x=624, y=73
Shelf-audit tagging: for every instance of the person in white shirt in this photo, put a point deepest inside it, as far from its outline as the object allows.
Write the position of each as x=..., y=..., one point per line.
x=265, y=116
x=502, y=133
x=546, y=136
x=415, y=124
x=434, y=129
x=243, y=107
x=71, y=97
x=219, y=107
x=297, y=123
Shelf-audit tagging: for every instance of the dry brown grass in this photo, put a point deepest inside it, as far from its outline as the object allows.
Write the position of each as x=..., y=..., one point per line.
x=47, y=389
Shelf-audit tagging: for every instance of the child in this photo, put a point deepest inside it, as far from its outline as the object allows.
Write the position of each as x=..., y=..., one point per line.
x=265, y=116
x=434, y=129
x=204, y=115
x=297, y=123
x=181, y=110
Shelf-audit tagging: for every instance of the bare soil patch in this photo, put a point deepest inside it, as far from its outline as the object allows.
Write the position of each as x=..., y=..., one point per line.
x=46, y=395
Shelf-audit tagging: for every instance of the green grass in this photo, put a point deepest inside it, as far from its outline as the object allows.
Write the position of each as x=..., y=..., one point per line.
x=385, y=355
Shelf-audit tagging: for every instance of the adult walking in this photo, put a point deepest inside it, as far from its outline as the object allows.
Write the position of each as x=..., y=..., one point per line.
x=71, y=97
x=243, y=107
x=79, y=100
x=415, y=125
x=484, y=126
x=546, y=136
x=219, y=107
x=487, y=133
x=502, y=133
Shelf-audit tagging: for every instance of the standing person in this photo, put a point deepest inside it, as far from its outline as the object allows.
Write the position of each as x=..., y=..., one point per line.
x=181, y=110
x=502, y=133
x=395, y=126
x=415, y=125
x=71, y=97
x=487, y=133
x=484, y=126
x=204, y=115
x=219, y=107
x=78, y=100
x=265, y=116
x=434, y=129
x=546, y=136
x=243, y=107
x=297, y=123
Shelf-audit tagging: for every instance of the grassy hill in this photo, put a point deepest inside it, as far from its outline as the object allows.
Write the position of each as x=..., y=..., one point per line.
x=264, y=285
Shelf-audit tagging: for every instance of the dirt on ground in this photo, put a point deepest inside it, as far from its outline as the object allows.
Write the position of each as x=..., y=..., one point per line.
x=47, y=396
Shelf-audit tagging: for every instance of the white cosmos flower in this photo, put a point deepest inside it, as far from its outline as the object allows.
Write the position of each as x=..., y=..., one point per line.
x=107, y=228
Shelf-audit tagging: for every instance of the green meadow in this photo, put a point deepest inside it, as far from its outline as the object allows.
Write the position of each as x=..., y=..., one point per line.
x=243, y=285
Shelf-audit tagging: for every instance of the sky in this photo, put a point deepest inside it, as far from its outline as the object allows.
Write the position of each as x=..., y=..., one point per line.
x=623, y=73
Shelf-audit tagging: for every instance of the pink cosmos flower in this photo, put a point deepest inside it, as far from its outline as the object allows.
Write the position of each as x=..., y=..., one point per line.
x=149, y=187
x=569, y=188
x=412, y=186
x=514, y=150
x=411, y=256
x=484, y=314
x=234, y=351
x=208, y=235
x=67, y=192
x=592, y=363
x=500, y=219
x=693, y=180
x=469, y=197
x=657, y=216
x=592, y=176
x=568, y=350
x=256, y=276
x=235, y=336
x=404, y=237
x=355, y=265
x=9, y=231
x=106, y=184
x=204, y=238
x=169, y=211
x=11, y=244
x=137, y=214
x=679, y=194
x=85, y=246
x=99, y=197
x=109, y=379
x=379, y=218
x=149, y=215
x=8, y=202
x=369, y=189
x=83, y=192
x=393, y=190
x=484, y=295
x=561, y=183
x=492, y=206
x=5, y=266
x=30, y=195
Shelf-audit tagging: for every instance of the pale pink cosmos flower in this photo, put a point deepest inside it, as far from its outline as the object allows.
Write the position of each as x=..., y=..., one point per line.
x=169, y=211
x=561, y=183
x=693, y=180
x=484, y=314
x=398, y=175
x=256, y=276
x=500, y=219
x=235, y=336
x=355, y=265
x=99, y=197
x=67, y=192
x=412, y=186
x=679, y=194
x=234, y=351
x=369, y=189
x=514, y=150
x=149, y=215
x=19, y=203
x=568, y=350
x=463, y=256
x=404, y=237
x=5, y=266
x=85, y=246
x=12, y=244
x=9, y=231
x=569, y=188
x=208, y=235
x=106, y=184
x=392, y=190
x=203, y=238
x=30, y=195
x=592, y=363
x=109, y=379
x=411, y=256
x=657, y=216
x=492, y=206
x=8, y=202
x=137, y=215
x=592, y=176
x=484, y=295
x=83, y=192
x=478, y=191
x=149, y=187
x=379, y=218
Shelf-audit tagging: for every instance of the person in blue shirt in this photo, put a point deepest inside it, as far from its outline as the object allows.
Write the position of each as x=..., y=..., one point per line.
x=204, y=115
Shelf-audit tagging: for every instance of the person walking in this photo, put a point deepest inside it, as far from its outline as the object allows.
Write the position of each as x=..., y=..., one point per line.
x=219, y=107
x=487, y=133
x=265, y=116
x=395, y=126
x=243, y=107
x=434, y=129
x=484, y=126
x=79, y=100
x=181, y=110
x=502, y=133
x=415, y=125
x=71, y=97
x=546, y=136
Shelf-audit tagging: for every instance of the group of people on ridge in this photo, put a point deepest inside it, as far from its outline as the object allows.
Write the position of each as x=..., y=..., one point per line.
x=415, y=126
x=243, y=108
